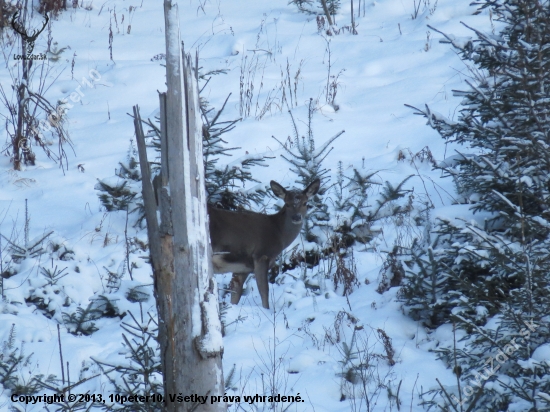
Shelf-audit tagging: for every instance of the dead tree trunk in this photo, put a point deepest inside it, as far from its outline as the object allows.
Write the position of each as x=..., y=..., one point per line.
x=186, y=292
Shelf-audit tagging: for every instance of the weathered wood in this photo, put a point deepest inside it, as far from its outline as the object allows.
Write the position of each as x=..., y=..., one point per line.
x=147, y=191
x=163, y=141
x=165, y=205
x=160, y=249
x=189, y=327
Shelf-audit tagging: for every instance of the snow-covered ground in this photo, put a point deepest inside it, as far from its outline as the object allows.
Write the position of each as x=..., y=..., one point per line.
x=393, y=60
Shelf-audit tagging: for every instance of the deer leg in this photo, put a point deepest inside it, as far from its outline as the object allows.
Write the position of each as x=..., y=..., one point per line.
x=236, y=286
x=261, y=267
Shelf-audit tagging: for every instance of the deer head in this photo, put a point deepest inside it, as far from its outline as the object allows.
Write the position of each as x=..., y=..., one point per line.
x=295, y=200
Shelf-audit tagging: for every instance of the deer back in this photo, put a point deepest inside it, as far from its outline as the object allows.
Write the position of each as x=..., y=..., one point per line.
x=238, y=238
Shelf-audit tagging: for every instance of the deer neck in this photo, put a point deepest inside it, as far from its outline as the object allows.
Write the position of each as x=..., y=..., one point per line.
x=289, y=231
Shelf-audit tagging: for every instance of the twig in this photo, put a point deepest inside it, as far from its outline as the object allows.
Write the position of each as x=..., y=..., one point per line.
x=61, y=356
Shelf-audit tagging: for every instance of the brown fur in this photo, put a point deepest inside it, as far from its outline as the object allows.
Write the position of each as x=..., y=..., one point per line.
x=245, y=242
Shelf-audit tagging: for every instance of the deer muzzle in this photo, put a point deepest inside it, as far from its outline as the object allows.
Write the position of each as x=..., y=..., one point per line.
x=297, y=219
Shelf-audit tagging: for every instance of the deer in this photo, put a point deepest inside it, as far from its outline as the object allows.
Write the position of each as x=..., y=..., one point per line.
x=246, y=242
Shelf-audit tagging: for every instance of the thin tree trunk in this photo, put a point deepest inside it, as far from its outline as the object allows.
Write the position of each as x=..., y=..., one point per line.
x=327, y=13
x=20, y=145
x=18, y=141
x=353, y=30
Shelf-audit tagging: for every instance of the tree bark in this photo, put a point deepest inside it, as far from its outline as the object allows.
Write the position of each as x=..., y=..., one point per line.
x=186, y=292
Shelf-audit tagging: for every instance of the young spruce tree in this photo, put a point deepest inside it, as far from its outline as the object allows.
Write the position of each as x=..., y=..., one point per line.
x=503, y=308
x=307, y=164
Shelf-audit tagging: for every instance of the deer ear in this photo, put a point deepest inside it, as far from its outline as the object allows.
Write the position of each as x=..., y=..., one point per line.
x=313, y=188
x=278, y=190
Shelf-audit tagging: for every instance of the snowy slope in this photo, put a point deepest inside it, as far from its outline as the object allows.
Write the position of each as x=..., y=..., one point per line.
x=393, y=60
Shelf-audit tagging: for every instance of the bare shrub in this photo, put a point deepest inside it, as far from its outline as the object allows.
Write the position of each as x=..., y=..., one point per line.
x=345, y=275
x=392, y=271
x=52, y=6
x=386, y=341
x=31, y=118
x=7, y=10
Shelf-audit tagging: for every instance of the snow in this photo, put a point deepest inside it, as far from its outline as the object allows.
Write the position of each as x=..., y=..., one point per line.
x=390, y=63
x=542, y=354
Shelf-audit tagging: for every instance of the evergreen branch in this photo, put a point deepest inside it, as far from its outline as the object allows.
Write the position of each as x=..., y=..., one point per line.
x=451, y=403
x=328, y=142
